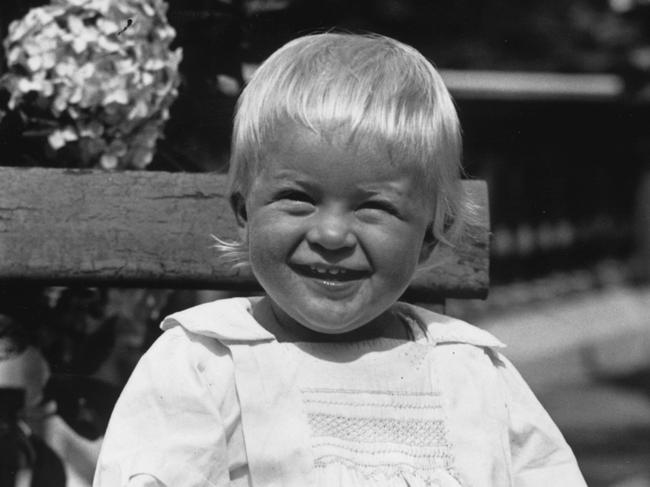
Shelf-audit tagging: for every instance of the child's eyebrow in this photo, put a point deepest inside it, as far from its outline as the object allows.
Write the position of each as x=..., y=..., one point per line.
x=290, y=178
x=392, y=187
x=388, y=188
x=288, y=175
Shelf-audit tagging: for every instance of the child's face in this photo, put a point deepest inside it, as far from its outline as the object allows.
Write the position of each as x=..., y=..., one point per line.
x=335, y=232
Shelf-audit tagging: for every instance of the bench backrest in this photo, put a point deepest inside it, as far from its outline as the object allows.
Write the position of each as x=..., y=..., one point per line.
x=153, y=229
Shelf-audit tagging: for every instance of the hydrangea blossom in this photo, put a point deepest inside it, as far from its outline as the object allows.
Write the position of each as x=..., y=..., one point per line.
x=96, y=73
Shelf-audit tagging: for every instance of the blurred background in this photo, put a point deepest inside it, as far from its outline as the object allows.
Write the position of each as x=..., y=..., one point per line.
x=554, y=100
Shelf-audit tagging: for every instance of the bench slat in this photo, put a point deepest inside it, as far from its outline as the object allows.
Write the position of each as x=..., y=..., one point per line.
x=153, y=229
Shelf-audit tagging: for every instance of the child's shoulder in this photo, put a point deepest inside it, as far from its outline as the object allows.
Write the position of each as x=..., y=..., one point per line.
x=227, y=320
x=196, y=342
x=442, y=329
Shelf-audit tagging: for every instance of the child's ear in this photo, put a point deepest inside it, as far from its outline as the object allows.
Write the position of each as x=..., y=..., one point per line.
x=428, y=244
x=238, y=205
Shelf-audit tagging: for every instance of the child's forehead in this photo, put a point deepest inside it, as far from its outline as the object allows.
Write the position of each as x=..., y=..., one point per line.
x=289, y=137
x=309, y=158
x=297, y=146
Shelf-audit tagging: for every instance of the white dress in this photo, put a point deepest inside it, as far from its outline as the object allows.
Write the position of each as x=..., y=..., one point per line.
x=218, y=401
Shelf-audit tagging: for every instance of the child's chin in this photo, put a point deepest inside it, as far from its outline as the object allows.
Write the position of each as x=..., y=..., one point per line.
x=332, y=317
x=329, y=328
x=335, y=330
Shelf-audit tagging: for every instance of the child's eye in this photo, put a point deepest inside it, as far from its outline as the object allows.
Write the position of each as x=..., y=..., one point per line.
x=381, y=206
x=293, y=195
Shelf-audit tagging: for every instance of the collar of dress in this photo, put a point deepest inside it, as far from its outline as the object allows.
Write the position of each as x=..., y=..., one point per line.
x=231, y=321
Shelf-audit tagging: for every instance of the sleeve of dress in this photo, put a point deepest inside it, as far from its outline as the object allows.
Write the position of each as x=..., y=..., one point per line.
x=540, y=455
x=166, y=428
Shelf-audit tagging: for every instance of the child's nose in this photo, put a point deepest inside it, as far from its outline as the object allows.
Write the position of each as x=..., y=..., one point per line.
x=331, y=231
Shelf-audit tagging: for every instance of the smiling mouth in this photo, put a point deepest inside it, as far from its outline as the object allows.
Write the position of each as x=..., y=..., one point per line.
x=332, y=274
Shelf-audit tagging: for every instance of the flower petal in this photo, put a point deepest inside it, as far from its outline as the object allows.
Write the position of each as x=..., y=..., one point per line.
x=108, y=161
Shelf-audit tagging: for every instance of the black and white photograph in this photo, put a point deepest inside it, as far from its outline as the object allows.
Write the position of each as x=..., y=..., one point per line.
x=301, y=243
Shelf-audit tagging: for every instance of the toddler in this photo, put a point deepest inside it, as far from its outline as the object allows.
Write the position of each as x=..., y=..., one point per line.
x=344, y=176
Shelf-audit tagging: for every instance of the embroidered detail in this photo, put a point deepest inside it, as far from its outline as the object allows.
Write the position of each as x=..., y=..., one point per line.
x=380, y=433
x=372, y=404
x=384, y=417
x=364, y=391
x=424, y=457
x=376, y=469
x=410, y=432
x=429, y=475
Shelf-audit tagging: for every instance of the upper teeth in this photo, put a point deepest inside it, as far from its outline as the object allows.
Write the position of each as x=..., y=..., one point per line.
x=326, y=270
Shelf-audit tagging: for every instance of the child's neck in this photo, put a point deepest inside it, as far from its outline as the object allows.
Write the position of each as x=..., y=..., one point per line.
x=286, y=329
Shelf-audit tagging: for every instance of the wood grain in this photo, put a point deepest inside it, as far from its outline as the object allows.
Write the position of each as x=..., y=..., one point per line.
x=144, y=228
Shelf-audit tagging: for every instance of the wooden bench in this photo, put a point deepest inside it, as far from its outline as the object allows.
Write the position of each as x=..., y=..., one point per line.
x=153, y=229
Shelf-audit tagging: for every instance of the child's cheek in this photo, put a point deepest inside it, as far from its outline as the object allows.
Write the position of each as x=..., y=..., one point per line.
x=271, y=238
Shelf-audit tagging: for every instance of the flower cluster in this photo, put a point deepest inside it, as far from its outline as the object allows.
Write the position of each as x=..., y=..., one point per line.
x=97, y=74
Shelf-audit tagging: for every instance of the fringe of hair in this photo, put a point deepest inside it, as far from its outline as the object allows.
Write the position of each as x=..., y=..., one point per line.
x=232, y=252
